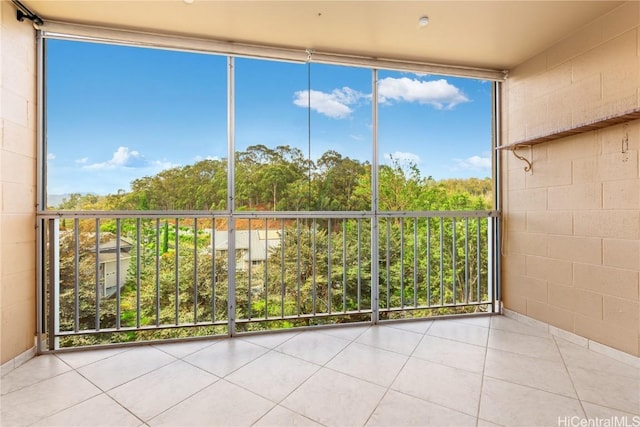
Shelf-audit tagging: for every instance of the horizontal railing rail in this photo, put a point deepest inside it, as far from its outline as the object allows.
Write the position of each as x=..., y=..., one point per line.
x=112, y=277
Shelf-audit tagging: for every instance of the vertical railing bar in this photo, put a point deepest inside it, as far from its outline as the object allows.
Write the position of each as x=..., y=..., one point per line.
x=97, y=274
x=490, y=262
x=344, y=265
x=249, y=271
x=213, y=269
x=118, y=267
x=266, y=264
x=359, y=264
x=415, y=262
x=453, y=260
x=138, y=263
x=313, y=266
x=466, y=259
x=478, y=260
x=54, y=283
x=76, y=275
x=195, y=270
x=375, y=268
x=282, y=254
x=298, y=268
x=177, y=269
x=329, y=265
x=428, y=262
x=388, y=261
x=157, y=271
x=402, y=262
x=231, y=276
x=441, y=261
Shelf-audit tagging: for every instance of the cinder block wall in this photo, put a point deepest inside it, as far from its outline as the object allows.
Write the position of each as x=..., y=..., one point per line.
x=571, y=254
x=17, y=184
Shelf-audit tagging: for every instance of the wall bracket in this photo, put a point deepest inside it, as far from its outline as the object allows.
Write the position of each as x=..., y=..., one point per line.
x=529, y=166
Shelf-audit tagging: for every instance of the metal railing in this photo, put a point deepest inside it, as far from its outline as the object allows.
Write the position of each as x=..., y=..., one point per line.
x=186, y=274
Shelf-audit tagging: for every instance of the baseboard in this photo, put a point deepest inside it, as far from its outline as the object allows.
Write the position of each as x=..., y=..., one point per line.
x=17, y=361
x=597, y=347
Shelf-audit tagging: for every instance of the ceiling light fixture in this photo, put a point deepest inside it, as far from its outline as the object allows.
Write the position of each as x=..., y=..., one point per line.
x=423, y=21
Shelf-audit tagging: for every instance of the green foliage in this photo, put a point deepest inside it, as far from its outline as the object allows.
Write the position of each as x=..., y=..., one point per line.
x=322, y=266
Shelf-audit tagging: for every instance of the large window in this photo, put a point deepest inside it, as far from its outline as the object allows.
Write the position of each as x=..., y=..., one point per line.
x=434, y=142
x=131, y=128
x=244, y=193
x=134, y=128
x=303, y=136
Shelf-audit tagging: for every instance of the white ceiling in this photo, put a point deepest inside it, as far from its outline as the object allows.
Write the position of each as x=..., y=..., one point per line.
x=485, y=34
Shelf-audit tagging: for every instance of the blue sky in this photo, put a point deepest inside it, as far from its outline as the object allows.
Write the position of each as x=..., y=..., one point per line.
x=118, y=113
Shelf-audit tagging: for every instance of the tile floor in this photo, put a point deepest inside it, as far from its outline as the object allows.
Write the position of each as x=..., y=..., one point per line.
x=465, y=372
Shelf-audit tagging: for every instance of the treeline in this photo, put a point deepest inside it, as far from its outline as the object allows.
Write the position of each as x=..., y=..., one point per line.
x=175, y=278
x=282, y=178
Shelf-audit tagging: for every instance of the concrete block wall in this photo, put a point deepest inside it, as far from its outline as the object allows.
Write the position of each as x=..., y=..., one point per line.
x=17, y=184
x=571, y=254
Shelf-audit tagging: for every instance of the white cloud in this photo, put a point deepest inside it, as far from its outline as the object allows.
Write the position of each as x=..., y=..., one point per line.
x=51, y=156
x=123, y=157
x=438, y=93
x=82, y=161
x=476, y=163
x=334, y=104
x=356, y=137
x=403, y=157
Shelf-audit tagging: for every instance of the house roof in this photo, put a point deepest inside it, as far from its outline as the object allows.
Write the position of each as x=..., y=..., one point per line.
x=489, y=34
x=253, y=240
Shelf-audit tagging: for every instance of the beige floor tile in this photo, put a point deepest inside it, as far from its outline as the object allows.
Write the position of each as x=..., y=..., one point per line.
x=418, y=326
x=482, y=321
x=511, y=325
x=594, y=411
x=280, y=416
x=274, y=375
x=153, y=393
x=453, y=388
x=397, y=409
x=97, y=411
x=451, y=353
x=180, y=350
x=457, y=331
x=485, y=423
x=30, y=404
x=368, y=363
x=538, y=373
x=123, y=367
x=220, y=404
x=541, y=347
x=268, y=340
x=510, y=404
x=80, y=358
x=313, y=347
x=391, y=339
x=606, y=389
x=350, y=332
x=226, y=356
x=35, y=370
x=335, y=399
x=576, y=356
